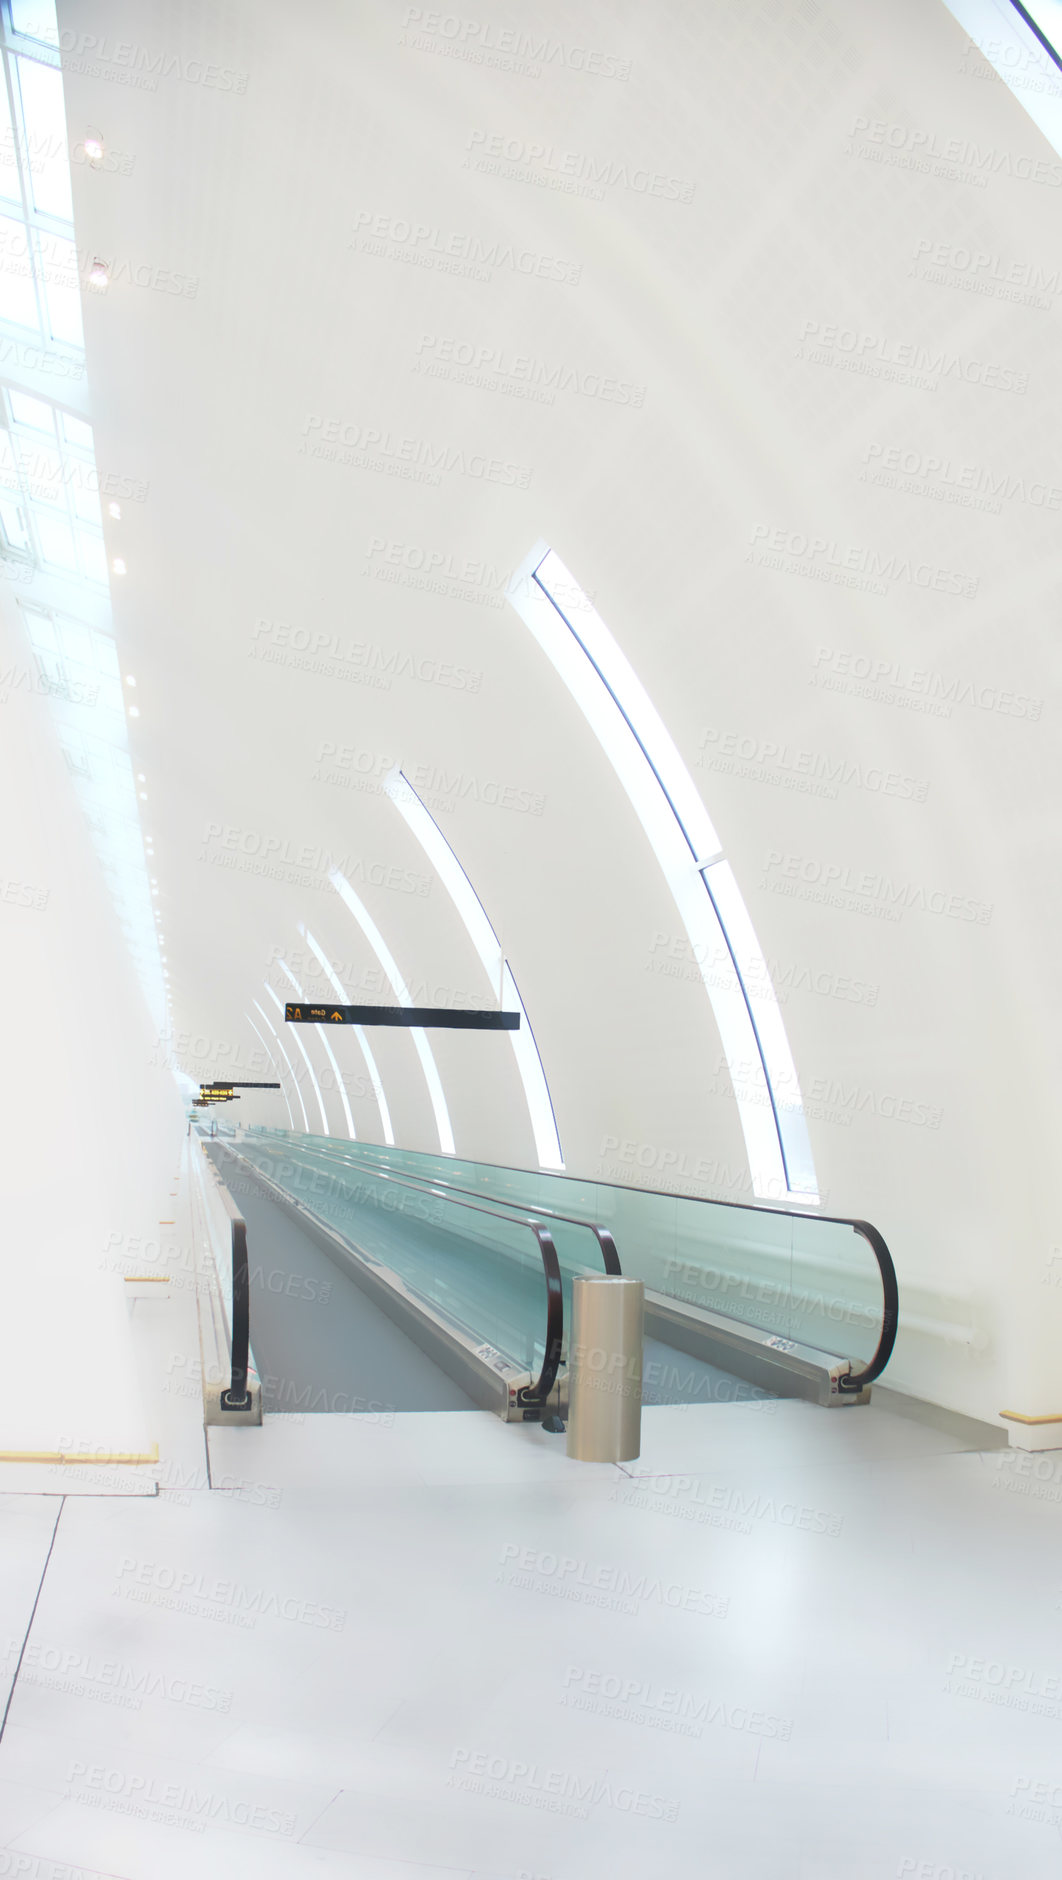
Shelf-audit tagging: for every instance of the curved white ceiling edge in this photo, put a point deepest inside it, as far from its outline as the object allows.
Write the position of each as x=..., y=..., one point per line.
x=279, y=1003
x=477, y=925
x=272, y=1060
x=359, y=1032
x=266, y=1020
x=665, y=799
x=322, y=1034
x=401, y=991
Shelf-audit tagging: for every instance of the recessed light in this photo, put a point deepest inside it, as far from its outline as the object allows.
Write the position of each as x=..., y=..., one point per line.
x=94, y=149
x=143, y=796
x=134, y=711
x=115, y=510
x=98, y=275
x=118, y=565
x=129, y=680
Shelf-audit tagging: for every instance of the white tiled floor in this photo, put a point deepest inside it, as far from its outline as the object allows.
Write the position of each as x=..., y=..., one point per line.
x=435, y=1647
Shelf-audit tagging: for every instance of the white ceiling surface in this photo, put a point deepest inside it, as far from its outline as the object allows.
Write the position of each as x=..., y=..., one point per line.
x=256, y=195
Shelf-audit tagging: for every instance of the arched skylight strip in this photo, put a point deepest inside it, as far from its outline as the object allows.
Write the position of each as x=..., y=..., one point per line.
x=1022, y=43
x=657, y=784
x=483, y=937
x=401, y=991
x=320, y=1030
x=359, y=1032
x=765, y=1013
x=633, y=703
x=265, y=1018
x=279, y=1003
x=275, y=1066
x=1044, y=18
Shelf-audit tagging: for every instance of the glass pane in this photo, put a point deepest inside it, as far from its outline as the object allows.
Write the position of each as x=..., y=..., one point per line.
x=62, y=290
x=76, y=640
x=93, y=559
x=105, y=654
x=18, y=301
x=56, y=539
x=51, y=669
x=76, y=432
x=86, y=502
x=36, y=19
x=32, y=412
x=44, y=115
x=13, y=524
x=9, y=184
x=8, y=467
x=41, y=630
x=42, y=473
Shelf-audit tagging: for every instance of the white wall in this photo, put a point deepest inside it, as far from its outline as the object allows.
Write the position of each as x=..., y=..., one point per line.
x=926, y=1052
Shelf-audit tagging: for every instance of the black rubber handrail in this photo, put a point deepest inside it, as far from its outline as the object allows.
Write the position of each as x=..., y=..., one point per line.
x=538, y=1392
x=890, y=1312
x=238, y=1397
x=607, y=1246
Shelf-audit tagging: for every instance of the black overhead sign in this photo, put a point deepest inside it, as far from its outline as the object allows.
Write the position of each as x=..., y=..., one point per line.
x=226, y=1083
x=419, y=1015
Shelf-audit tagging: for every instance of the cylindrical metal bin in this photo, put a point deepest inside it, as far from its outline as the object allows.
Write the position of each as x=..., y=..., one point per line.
x=605, y=1369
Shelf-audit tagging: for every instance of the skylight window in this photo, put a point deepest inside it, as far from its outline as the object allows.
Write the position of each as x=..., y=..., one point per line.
x=1022, y=41
x=1045, y=19
x=483, y=937
x=77, y=433
x=46, y=458
x=685, y=844
x=10, y=188
x=18, y=297
x=44, y=116
x=36, y=19
x=33, y=413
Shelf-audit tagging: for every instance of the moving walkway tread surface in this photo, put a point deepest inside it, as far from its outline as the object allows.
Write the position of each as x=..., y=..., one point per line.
x=319, y=1343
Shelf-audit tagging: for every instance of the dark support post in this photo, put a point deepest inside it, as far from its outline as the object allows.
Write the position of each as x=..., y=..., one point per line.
x=237, y=1396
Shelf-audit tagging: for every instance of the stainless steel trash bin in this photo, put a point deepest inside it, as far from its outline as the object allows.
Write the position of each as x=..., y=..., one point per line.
x=605, y=1369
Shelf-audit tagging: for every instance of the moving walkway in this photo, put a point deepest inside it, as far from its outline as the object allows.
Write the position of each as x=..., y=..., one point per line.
x=475, y=1263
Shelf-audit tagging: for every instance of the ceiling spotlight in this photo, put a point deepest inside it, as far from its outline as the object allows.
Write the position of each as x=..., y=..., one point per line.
x=134, y=711
x=143, y=796
x=118, y=565
x=94, y=148
x=140, y=777
x=115, y=510
x=99, y=276
x=129, y=680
